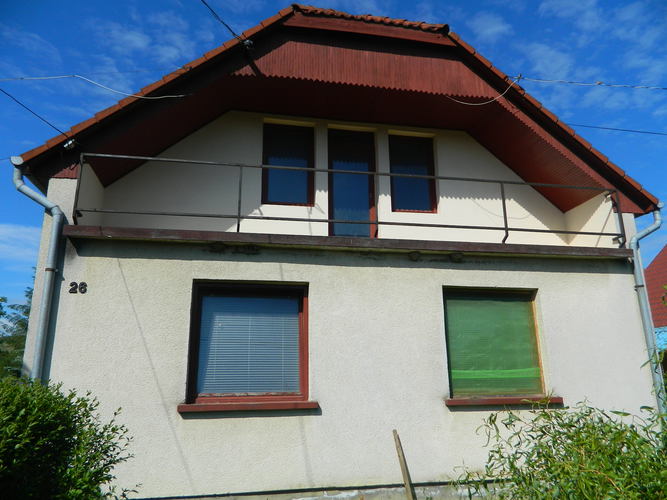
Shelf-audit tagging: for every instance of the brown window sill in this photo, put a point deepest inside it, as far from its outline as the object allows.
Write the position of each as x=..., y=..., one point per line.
x=249, y=406
x=503, y=400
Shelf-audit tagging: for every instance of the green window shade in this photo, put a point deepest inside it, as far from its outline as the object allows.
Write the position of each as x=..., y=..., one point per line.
x=492, y=345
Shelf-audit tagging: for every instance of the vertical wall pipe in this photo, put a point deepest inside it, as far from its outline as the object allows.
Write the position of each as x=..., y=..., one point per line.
x=645, y=309
x=49, y=271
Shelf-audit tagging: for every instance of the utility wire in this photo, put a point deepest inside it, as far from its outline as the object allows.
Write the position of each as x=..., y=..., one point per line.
x=31, y=111
x=618, y=129
x=593, y=84
x=117, y=72
x=59, y=77
x=244, y=42
x=516, y=79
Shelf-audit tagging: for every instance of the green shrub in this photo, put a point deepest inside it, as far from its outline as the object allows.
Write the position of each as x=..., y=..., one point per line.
x=580, y=452
x=53, y=445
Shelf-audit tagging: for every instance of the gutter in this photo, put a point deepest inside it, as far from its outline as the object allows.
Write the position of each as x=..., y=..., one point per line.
x=644, y=307
x=49, y=271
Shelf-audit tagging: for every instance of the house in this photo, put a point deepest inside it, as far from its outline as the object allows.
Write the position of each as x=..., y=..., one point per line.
x=345, y=225
x=656, y=280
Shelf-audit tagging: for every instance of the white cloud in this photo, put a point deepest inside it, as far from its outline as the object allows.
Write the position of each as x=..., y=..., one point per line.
x=31, y=43
x=489, y=27
x=604, y=97
x=121, y=39
x=18, y=243
x=548, y=62
x=515, y=5
x=239, y=6
x=173, y=47
x=585, y=14
x=168, y=20
x=424, y=11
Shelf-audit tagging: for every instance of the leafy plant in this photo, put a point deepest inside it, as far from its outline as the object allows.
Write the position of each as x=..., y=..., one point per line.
x=53, y=444
x=13, y=330
x=580, y=452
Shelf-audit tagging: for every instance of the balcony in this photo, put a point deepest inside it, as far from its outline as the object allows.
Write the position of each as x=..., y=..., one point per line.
x=212, y=201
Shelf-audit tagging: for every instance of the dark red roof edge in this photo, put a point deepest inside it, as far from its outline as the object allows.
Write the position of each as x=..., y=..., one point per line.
x=551, y=117
x=366, y=18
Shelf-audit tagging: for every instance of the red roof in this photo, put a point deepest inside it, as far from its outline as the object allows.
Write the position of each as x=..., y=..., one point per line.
x=303, y=53
x=656, y=279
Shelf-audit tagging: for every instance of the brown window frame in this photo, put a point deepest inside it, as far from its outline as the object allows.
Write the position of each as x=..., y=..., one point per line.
x=492, y=399
x=310, y=181
x=372, y=205
x=431, y=182
x=195, y=402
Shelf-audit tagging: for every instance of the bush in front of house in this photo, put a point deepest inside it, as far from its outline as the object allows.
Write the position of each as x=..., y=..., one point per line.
x=580, y=452
x=53, y=444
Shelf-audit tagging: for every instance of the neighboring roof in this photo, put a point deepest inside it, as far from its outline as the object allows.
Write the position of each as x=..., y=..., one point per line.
x=515, y=127
x=656, y=279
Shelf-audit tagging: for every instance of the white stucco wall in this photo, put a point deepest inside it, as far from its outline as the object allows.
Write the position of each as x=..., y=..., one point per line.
x=236, y=137
x=91, y=196
x=376, y=353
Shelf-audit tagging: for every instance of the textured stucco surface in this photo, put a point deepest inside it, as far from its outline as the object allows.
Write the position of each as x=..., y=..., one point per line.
x=377, y=359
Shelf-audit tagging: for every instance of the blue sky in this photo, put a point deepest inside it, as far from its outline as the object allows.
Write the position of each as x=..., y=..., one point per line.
x=127, y=44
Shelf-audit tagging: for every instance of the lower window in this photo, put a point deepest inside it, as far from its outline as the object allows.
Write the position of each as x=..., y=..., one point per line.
x=248, y=343
x=491, y=343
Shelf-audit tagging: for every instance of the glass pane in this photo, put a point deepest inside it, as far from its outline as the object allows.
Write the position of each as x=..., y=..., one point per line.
x=350, y=194
x=287, y=146
x=249, y=345
x=492, y=346
x=411, y=155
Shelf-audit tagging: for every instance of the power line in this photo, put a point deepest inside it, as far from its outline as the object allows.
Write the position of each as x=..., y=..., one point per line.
x=31, y=111
x=59, y=77
x=117, y=72
x=592, y=84
x=516, y=79
x=245, y=42
x=619, y=129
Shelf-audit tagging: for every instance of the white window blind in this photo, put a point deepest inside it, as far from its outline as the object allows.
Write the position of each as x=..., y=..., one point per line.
x=249, y=345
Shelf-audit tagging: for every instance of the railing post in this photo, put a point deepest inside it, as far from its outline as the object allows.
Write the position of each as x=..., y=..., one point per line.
x=376, y=201
x=238, y=205
x=75, y=212
x=502, y=196
x=616, y=205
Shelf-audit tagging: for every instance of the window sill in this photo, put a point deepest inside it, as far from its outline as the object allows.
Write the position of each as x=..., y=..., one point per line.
x=248, y=406
x=504, y=401
x=414, y=211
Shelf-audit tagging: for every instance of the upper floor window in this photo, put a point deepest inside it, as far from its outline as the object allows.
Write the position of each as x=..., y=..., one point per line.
x=414, y=156
x=288, y=146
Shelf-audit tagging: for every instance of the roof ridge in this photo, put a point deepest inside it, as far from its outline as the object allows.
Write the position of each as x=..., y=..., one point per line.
x=388, y=21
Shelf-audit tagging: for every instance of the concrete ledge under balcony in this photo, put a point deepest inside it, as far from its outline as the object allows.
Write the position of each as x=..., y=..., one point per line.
x=453, y=248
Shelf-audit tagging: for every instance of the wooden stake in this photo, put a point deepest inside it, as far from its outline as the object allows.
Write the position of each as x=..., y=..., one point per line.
x=409, y=492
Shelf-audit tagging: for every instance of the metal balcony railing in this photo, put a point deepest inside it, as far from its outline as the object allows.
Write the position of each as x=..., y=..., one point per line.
x=613, y=195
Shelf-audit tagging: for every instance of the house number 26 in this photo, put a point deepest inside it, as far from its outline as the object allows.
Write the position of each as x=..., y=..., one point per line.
x=75, y=287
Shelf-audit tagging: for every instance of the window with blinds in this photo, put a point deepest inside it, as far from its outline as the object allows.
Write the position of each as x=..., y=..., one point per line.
x=249, y=341
x=491, y=343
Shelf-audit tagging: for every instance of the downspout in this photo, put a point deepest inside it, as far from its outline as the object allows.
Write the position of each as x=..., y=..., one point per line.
x=49, y=271
x=644, y=307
